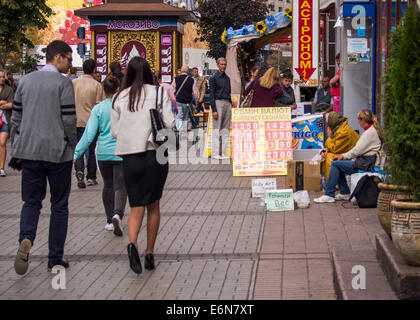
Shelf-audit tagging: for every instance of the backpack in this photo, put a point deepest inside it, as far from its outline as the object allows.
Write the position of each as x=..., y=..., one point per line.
x=367, y=192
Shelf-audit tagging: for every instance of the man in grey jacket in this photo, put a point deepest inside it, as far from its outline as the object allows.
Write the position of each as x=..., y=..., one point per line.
x=43, y=139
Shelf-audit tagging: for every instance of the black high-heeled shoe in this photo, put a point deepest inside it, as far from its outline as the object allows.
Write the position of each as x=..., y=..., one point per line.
x=149, y=261
x=134, y=258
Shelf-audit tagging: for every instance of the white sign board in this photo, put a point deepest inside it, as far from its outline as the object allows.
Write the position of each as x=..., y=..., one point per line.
x=357, y=45
x=261, y=186
x=280, y=200
x=306, y=42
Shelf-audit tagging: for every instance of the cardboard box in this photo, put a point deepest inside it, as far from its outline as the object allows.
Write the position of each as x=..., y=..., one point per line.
x=304, y=175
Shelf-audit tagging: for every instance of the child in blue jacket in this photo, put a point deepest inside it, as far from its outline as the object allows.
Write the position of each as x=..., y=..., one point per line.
x=114, y=194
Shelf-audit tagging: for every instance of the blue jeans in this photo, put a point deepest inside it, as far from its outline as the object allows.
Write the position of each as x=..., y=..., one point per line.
x=338, y=171
x=34, y=187
x=181, y=119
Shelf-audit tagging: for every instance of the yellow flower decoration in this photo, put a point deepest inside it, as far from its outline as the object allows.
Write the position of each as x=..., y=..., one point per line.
x=223, y=37
x=261, y=27
x=289, y=13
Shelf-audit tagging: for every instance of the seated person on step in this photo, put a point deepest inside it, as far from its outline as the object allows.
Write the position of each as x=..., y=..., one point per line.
x=341, y=139
x=370, y=143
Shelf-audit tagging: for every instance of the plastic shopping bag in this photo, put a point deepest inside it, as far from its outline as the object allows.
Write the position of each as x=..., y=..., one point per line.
x=302, y=199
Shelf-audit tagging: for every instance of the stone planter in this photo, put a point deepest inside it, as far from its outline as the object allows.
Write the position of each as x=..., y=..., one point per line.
x=388, y=193
x=405, y=230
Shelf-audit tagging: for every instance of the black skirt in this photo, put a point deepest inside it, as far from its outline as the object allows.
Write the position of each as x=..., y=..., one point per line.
x=144, y=178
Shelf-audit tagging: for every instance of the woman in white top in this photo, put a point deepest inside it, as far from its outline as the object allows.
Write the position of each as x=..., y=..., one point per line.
x=369, y=143
x=144, y=176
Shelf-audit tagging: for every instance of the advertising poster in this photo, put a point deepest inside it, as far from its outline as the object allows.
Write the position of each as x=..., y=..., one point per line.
x=308, y=132
x=262, y=141
x=101, y=53
x=166, y=57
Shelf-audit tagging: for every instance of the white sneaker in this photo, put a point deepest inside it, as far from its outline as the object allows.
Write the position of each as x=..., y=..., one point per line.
x=109, y=227
x=324, y=199
x=343, y=197
x=116, y=220
x=225, y=157
x=217, y=157
x=2, y=173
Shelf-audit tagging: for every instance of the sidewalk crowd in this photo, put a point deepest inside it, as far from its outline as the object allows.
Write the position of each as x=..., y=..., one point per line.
x=57, y=121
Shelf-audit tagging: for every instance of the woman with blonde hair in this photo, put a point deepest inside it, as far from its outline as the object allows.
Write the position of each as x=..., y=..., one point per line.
x=266, y=89
x=368, y=146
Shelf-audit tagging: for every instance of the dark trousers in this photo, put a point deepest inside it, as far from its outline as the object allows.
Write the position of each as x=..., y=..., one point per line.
x=80, y=163
x=114, y=195
x=34, y=187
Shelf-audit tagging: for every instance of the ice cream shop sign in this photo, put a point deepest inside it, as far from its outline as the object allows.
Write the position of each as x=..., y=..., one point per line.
x=133, y=25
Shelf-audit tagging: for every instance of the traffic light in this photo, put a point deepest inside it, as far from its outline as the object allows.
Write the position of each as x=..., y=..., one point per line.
x=81, y=33
x=206, y=65
x=81, y=48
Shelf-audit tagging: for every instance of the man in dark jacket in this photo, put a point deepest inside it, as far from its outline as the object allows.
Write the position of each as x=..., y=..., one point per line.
x=43, y=139
x=184, y=94
x=221, y=105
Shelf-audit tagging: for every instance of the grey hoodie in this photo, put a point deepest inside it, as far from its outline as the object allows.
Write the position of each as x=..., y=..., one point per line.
x=44, y=117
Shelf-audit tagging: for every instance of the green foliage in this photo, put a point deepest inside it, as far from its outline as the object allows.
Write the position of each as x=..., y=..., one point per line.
x=29, y=63
x=218, y=15
x=16, y=16
x=402, y=103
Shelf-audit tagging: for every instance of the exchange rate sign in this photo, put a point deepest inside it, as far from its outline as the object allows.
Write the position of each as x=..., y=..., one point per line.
x=261, y=141
x=306, y=42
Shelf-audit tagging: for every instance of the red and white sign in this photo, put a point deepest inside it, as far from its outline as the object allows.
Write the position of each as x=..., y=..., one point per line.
x=306, y=42
x=166, y=57
x=101, y=54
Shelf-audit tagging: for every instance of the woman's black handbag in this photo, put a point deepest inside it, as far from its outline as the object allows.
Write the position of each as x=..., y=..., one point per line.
x=158, y=126
x=365, y=163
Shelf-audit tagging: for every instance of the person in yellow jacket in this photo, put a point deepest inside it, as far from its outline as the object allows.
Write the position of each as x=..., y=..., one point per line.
x=341, y=138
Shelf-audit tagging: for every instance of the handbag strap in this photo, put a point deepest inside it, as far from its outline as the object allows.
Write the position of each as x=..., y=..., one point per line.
x=182, y=85
x=161, y=99
x=157, y=96
x=158, y=106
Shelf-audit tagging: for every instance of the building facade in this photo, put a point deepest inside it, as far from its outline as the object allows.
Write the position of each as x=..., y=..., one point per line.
x=275, y=6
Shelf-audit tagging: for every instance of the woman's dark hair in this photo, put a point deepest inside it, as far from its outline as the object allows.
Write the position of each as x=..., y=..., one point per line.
x=286, y=74
x=111, y=84
x=158, y=75
x=138, y=74
x=255, y=68
x=115, y=67
x=337, y=56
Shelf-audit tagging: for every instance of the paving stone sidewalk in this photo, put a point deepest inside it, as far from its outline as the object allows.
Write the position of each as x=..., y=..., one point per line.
x=214, y=242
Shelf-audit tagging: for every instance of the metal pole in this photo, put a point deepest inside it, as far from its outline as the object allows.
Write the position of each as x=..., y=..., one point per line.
x=378, y=56
x=388, y=23
x=398, y=12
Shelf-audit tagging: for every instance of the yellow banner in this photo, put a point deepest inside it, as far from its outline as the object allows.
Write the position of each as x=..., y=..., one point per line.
x=209, y=138
x=262, y=141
